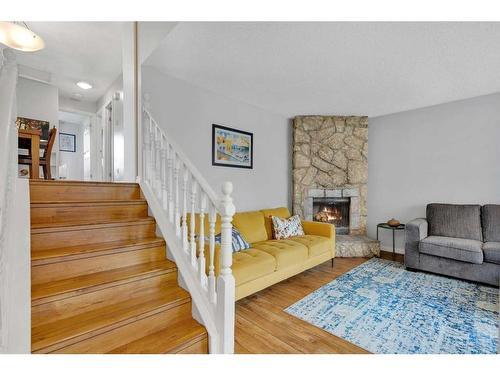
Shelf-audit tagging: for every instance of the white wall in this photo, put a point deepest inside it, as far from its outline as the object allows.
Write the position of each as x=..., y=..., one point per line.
x=117, y=85
x=72, y=105
x=72, y=160
x=446, y=153
x=188, y=112
x=40, y=101
x=15, y=278
x=129, y=99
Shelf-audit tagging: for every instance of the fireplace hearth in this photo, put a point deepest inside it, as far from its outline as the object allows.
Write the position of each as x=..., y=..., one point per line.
x=334, y=211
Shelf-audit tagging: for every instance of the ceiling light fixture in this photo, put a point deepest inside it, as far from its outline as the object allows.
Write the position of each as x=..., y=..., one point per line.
x=84, y=85
x=20, y=37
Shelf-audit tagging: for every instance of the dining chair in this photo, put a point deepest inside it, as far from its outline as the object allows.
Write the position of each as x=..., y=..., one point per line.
x=44, y=160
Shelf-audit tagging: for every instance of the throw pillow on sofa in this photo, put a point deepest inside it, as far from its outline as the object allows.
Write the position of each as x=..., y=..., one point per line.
x=238, y=241
x=285, y=228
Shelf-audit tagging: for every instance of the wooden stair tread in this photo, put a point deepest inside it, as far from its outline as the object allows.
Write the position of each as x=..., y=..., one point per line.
x=74, y=225
x=61, y=254
x=55, y=335
x=81, y=202
x=84, y=183
x=59, y=289
x=168, y=340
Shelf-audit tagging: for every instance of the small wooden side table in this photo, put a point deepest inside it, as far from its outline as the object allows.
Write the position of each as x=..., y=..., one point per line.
x=33, y=135
x=394, y=229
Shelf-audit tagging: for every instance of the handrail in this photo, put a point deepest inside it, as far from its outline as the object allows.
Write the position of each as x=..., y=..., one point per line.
x=182, y=201
x=8, y=168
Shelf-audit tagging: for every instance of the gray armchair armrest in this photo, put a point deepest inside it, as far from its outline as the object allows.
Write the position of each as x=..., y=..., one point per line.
x=415, y=231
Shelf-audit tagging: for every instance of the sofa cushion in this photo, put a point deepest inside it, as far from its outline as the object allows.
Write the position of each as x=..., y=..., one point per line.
x=490, y=215
x=316, y=245
x=251, y=225
x=455, y=220
x=491, y=252
x=286, y=252
x=251, y=264
x=461, y=249
x=281, y=212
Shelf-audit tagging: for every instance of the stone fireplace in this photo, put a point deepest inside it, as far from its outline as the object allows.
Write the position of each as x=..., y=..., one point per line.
x=336, y=206
x=330, y=176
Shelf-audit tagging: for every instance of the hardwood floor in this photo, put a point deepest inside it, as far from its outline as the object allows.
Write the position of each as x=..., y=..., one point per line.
x=262, y=327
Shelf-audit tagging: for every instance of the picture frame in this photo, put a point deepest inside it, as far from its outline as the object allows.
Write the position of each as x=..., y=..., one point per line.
x=67, y=142
x=33, y=124
x=231, y=147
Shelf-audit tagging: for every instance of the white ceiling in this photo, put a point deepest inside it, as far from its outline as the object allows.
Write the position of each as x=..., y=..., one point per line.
x=77, y=51
x=336, y=68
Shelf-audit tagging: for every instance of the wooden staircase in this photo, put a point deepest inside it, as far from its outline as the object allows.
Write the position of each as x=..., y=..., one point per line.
x=101, y=282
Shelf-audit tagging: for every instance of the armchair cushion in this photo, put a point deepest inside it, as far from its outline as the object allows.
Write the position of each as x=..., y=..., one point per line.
x=461, y=249
x=491, y=222
x=455, y=220
x=491, y=252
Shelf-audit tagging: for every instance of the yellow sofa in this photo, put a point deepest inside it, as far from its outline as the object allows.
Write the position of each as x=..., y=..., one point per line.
x=270, y=261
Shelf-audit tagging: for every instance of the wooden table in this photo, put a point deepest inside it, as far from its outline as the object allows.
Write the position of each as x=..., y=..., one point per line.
x=33, y=136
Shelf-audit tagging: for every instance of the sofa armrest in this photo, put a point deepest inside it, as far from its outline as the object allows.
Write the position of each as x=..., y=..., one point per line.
x=319, y=229
x=415, y=231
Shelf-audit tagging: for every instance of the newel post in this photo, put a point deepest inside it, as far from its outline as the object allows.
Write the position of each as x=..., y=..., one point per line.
x=225, y=280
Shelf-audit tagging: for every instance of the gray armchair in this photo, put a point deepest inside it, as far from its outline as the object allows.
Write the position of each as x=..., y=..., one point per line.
x=456, y=240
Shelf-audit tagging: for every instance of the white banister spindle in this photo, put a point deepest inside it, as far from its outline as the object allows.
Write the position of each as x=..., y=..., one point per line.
x=170, y=183
x=158, y=161
x=152, y=153
x=212, y=216
x=164, y=166
x=201, y=257
x=185, y=177
x=177, y=221
x=145, y=151
x=192, y=223
x=225, y=281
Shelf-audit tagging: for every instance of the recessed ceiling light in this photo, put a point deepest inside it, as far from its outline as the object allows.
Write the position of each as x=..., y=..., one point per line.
x=84, y=85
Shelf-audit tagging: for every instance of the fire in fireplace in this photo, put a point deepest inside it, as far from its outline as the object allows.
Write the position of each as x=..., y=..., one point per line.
x=334, y=211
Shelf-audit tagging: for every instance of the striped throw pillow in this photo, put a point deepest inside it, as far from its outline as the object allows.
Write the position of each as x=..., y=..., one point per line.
x=239, y=242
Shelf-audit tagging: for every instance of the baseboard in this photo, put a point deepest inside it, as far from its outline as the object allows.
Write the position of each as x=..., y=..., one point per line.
x=389, y=249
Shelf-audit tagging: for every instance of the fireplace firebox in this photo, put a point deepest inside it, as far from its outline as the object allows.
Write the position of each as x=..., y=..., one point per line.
x=334, y=211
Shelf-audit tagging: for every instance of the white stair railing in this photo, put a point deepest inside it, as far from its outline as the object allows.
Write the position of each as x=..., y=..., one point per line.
x=181, y=201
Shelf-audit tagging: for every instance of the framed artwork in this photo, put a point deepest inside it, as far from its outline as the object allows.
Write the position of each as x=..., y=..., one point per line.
x=67, y=142
x=29, y=123
x=231, y=147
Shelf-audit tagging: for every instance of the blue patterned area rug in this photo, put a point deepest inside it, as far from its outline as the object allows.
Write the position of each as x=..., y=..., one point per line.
x=384, y=309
